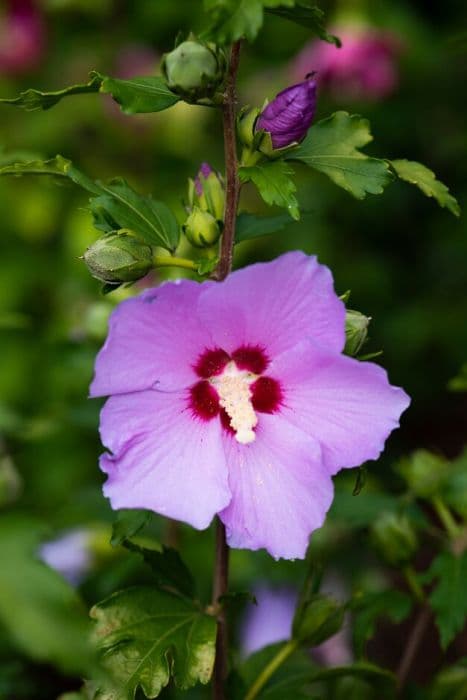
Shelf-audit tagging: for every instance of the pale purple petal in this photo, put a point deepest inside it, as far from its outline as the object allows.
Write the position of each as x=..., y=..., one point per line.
x=163, y=458
x=280, y=489
x=153, y=341
x=269, y=621
x=348, y=406
x=69, y=554
x=275, y=305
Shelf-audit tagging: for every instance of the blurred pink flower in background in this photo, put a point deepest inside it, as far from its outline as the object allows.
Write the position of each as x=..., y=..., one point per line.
x=22, y=36
x=270, y=621
x=364, y=68
x=134, y=60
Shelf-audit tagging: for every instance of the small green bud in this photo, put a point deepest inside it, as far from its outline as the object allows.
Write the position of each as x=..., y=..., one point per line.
x=356, y=331
x=424, y=473
x=201, y=228
x=395, y=538
x=194, y=70
x=246, y=126
x=318, y=619
x=207, y=192
x=119, y=257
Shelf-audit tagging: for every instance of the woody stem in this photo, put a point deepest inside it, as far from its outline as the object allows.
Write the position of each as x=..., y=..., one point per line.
x=221, y=566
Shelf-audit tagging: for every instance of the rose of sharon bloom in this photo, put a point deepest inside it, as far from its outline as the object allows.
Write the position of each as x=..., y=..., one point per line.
x=22, y=36
x=234, y=398
x=288, y=117
x=364, y=68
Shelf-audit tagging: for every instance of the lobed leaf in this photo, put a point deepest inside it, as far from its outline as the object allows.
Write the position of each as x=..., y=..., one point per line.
x=272, y=178
x=32, y=100
x=128, y=523
x=135, y=95
x=146, y=637
x=332, y=147
x=425, y=179
x=305, y=14
x=448, y=599
x=167, y=566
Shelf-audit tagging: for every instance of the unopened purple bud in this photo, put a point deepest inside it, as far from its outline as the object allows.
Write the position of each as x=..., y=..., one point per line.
x=288, y=117
x=205, y=170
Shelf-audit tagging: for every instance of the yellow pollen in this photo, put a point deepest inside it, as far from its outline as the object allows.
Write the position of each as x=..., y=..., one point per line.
x=233, y=387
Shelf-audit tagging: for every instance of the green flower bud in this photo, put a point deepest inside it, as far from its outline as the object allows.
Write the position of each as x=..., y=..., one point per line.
x=119, y=257
x=246, y=126
x=356, y=331
x=395, y=538
x=207, y=192
x=318, y=619
x=201, y=228
x=194, y=70
x=424, y=473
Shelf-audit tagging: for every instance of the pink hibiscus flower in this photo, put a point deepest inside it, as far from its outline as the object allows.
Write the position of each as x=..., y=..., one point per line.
x=364, y=68
x=22, y=36
x=234, y=398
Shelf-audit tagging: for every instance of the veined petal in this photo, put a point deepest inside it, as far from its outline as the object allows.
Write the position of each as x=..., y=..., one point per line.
x=280, y=489
x=164, y=459
x=348, y=406
x=153, y=341
x=275, y=305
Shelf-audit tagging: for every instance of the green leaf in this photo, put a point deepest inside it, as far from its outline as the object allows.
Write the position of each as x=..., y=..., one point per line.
x=139, y=95
x=135, y=96
x=166, y=565
x=116, y=205
x=272, y=178
x=371, y=607
x=128, y=523
x=152, y=220
x=234, y=19
x=307, y=15
x=148, y=636
x=449, y=600
x=251, y=226
x=425, y=179
x=32, y=100
x=331, y=147
x=451, y=683
x=39, y=610
x=455, y=487
x=294, y=676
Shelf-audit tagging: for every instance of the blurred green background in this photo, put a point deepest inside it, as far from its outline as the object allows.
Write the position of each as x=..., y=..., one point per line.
x=403, y=258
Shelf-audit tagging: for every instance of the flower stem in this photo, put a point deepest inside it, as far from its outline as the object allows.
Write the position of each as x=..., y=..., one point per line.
x=220, y=585
x=232, y=187
x=281, y=656
x=170, y=261
x=444, y=514
x=417, y=634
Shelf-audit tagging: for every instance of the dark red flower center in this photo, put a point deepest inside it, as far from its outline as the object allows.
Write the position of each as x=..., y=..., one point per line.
x=234, y=388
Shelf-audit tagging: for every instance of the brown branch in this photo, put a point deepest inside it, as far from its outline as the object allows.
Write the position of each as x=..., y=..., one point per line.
x=220, y=585
x=416, y=637
x=232, y=187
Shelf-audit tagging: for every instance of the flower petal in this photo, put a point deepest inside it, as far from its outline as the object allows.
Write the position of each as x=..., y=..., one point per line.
x=163, y=458
x=153, y=339
x=348, y=406
x=280, y=489
x=275, y=305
